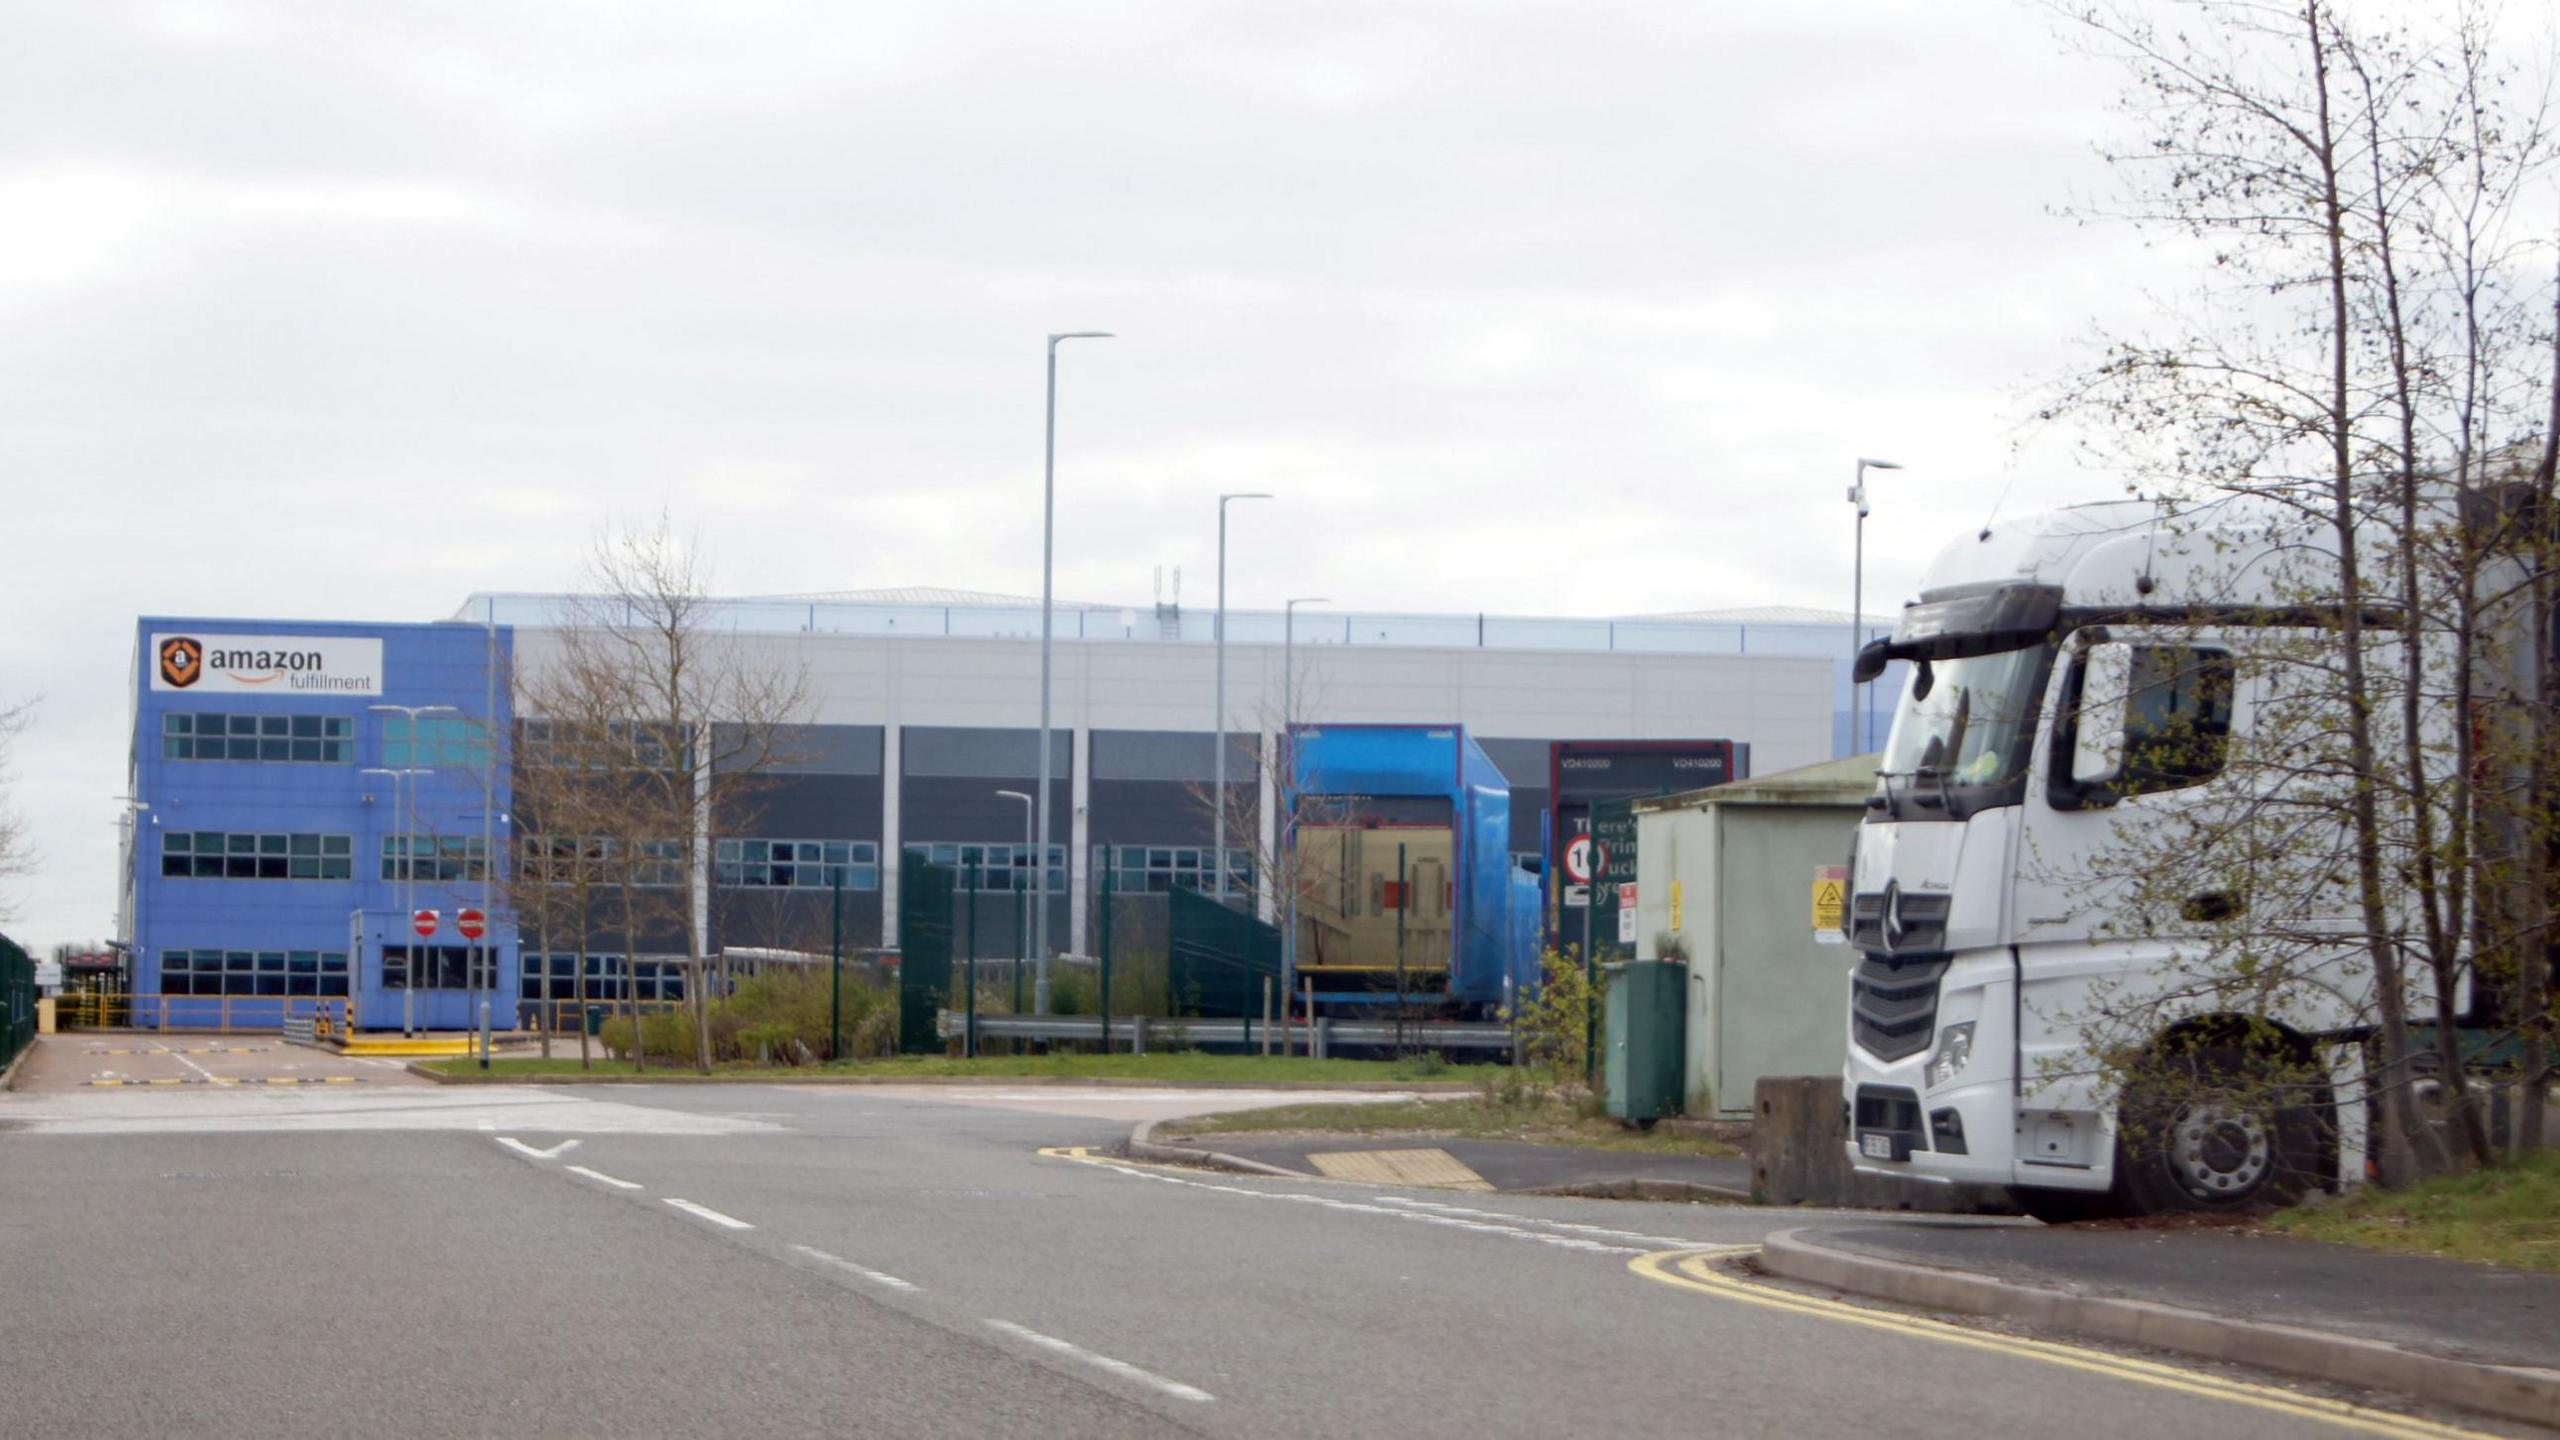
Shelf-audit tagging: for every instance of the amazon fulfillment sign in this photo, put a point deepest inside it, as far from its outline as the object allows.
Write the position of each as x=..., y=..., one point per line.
x=266, y=664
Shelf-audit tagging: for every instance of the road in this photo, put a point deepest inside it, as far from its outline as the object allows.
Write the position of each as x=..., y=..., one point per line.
x=671, y=1260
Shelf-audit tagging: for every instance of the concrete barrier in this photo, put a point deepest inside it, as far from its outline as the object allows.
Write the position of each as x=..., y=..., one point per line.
x=1800, y=1156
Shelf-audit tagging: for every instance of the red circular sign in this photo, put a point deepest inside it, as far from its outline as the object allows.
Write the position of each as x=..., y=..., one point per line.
x=424, y=922
x=471, y=923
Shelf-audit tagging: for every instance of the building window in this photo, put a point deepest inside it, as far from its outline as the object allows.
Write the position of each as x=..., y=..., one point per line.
x=253, y=972
x=248, y=855
x=439, y=857
x=1154, y=869
x=454, y=742
x=212, y=735
x=798, y=864
x=553, y=978
x=554, y=860
x=998, y=867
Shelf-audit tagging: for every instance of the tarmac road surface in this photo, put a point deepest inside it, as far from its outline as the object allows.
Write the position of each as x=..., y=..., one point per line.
x=666, y=1260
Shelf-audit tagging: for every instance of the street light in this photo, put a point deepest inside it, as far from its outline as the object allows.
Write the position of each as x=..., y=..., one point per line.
x=1048, y=551
x=1858, y=600
x=1288, y=789
x=409, y=849
x=1030, y=847
x=1218, y=632
x=408, y=898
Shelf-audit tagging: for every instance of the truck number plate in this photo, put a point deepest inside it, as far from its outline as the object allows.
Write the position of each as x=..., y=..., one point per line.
x=1876, y=1146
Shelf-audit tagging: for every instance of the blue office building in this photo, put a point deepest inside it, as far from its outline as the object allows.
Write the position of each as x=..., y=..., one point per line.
x=288, y=804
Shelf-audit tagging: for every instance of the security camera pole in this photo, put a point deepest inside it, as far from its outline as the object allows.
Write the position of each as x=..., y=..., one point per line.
x=1048, y=552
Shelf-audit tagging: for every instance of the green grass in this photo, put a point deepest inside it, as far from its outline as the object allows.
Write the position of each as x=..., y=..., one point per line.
x=1170, y=1066
x=2505, y=1216
x=1543, y=1122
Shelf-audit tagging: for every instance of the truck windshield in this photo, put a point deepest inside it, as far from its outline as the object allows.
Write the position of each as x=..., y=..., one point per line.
x=1968, y=722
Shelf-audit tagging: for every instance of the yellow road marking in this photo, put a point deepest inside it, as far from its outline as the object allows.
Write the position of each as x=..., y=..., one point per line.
x=1434, y=1169
x=1695, y=1270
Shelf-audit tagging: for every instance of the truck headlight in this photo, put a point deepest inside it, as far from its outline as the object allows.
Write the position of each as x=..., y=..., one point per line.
x=1954, y=1052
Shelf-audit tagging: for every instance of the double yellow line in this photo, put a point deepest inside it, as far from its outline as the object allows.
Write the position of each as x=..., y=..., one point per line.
x=1697, y=1270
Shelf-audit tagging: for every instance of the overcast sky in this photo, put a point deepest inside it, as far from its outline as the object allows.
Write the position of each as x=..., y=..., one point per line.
x=345, y=311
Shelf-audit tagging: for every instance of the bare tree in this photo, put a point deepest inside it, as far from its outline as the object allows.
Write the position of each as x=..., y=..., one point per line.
x=17, y=852
x=703, y=715
x=2355, y=363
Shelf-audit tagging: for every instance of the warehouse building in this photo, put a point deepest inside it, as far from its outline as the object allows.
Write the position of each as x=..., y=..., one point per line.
x=300, y=787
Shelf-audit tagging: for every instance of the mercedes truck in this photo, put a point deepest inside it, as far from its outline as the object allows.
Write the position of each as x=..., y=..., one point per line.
x=1992, y=908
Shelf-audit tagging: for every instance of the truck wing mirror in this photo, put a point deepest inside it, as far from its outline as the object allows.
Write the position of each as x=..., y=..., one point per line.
x=2106, y=683
x=1870, y=662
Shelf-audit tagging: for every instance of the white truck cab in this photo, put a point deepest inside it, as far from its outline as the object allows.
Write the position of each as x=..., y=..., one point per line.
x=1982, y=929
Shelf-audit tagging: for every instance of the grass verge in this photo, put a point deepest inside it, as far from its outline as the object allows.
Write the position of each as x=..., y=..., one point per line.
x=1172, y=1067
x=1541, y=1122
x=2506, y=1216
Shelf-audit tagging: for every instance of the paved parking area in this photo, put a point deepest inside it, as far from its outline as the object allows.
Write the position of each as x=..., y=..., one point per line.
x=123, y=1059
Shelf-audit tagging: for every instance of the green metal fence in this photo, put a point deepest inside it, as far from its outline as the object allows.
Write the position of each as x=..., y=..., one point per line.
x=924, y=953
x=1218, y=958
x=17, y=1000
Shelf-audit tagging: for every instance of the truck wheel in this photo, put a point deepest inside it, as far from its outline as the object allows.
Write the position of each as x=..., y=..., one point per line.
x=2216, y=1131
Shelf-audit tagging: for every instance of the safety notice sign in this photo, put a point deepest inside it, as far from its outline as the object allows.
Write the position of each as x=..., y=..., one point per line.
x=1830, y=903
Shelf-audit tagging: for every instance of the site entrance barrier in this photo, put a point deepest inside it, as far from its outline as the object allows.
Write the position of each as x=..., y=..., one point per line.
x=201, y=1014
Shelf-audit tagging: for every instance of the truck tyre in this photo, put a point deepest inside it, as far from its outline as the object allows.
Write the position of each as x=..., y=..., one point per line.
x=2215, y=1130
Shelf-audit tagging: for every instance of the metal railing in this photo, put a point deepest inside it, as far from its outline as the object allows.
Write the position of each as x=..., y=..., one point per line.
x=217, y=1014
x=1140, y=1030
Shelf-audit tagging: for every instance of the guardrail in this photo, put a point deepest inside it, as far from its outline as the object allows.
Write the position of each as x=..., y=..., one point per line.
x=1182, y=1030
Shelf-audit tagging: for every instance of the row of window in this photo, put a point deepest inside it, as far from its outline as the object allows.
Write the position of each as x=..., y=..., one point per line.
x=440, y=967
x=747, y=864
x=609, y=977
x=253, y=972
x=446, y=741
x=213, y=735
x=1155, y=869
x=438, y=857
x=558, y=859
x=251, y=855
x=797, y=864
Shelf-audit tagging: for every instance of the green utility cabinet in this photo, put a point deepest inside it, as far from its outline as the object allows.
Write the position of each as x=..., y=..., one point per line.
x=1647, y=1006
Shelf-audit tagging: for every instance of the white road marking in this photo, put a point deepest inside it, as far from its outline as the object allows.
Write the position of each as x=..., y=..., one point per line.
x=181, y=1058
x=841, y=1263
x=1121, y=1368
x=1659, y=1242
x=600, y=1175
x=522, y=1148
x=489, y=1109
x=1360, y=1207
x=707, y=1213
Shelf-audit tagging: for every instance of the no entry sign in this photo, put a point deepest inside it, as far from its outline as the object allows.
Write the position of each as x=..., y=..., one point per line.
x=471, y=923
x=424, y=922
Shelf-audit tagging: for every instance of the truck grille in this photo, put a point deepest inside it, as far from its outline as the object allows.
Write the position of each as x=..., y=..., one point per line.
x=1893, y=1004
x=1924, y=922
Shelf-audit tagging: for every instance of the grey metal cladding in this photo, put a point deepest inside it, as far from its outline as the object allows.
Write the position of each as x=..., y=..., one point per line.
x=1522, y=762
x=993, y=753
x=1158, y=812
x=825, y=750
x=1177, y=755
x=943, y=807
x=809, y=807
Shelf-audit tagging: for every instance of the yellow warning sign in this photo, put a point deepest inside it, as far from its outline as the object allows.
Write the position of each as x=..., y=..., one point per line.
x=1830, y=897
x=1676, y=926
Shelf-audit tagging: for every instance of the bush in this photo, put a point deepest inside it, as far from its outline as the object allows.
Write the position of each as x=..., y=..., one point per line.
x=1556, y=1021
x=782, y=1016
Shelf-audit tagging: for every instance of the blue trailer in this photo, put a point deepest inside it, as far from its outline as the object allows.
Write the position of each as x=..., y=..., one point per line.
x=1402, y=877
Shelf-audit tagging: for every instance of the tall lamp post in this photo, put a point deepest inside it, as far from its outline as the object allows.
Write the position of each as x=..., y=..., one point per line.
x=1289, y=789
x=1021, y=932
x=407, y=881
x=409, y=846
x=1858, y=600
x=1048, y=552
x=1218, y=633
